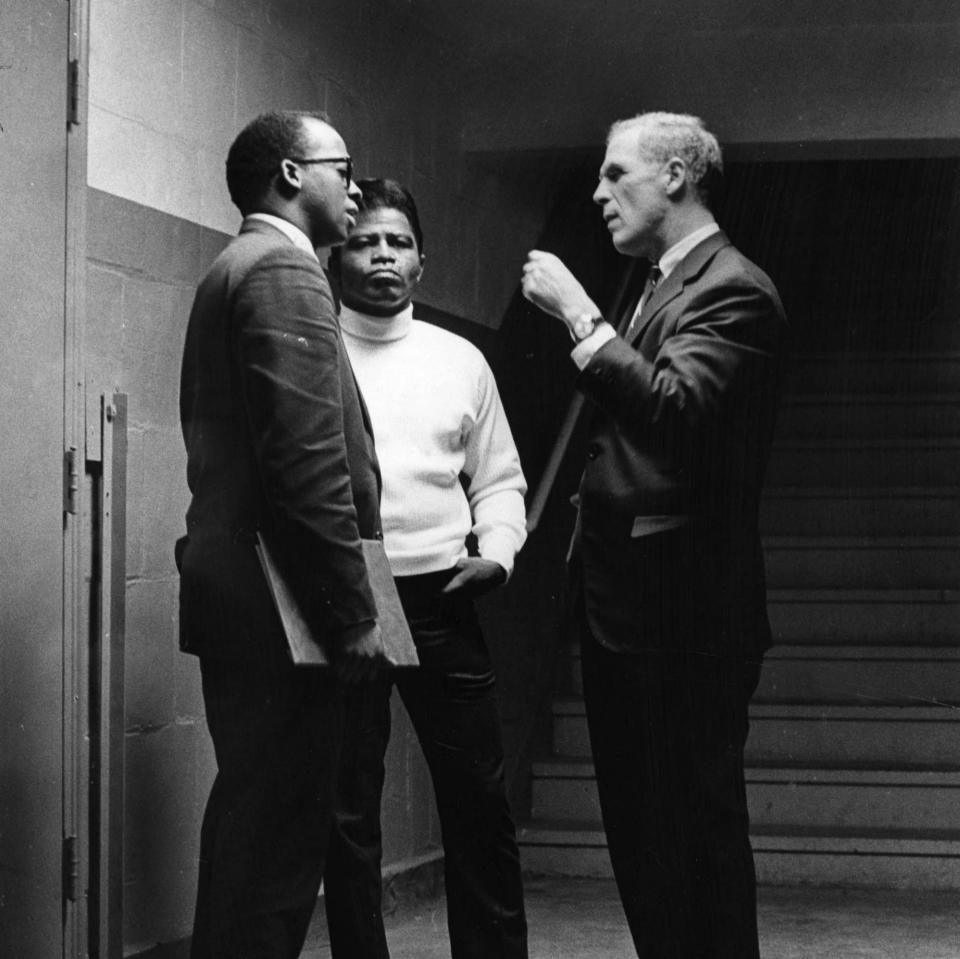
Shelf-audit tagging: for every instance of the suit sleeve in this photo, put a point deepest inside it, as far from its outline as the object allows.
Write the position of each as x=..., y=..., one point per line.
x=727, y=338
x=288, y=354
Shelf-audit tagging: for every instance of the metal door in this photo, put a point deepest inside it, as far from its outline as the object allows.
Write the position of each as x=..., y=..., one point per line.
x=35, y=429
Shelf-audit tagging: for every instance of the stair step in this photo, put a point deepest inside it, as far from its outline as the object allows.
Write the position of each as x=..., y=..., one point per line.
x=856, y=675
x=903, y=462
x=888, y=735
x=860, y=799
x=869, y=617
x=927, y=859
x=892, y=373
x=912, y=511
x=891, y=862
x=913, y=562
x=868, y=415
x=802, y=798
x=864, y=675
x=814, y=733
x=854, y=747
x=564, y=849
x=858, y=618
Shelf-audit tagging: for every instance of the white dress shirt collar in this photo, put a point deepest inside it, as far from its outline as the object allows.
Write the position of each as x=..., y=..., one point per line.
x=669, y=261
x=294, y=233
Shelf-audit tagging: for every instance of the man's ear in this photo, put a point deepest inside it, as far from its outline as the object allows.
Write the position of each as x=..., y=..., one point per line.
x=677, y=172
x=290, y=178
x=423, y=259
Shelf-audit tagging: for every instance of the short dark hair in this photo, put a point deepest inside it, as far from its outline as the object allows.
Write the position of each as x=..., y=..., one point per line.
x=256, y=153
x=380, y=194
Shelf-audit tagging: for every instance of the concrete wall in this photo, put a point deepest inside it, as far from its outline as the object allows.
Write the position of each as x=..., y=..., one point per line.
x=171, y=82
x=141, y=269
x=761, y=72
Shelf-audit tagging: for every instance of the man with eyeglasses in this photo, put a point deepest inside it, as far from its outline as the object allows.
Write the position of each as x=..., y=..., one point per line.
x=279, y=446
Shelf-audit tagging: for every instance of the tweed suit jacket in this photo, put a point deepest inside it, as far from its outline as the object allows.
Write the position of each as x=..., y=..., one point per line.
x=668, y=546
x=278, y=441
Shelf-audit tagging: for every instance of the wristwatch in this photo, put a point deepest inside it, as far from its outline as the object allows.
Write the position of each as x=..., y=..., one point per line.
x=584, y=325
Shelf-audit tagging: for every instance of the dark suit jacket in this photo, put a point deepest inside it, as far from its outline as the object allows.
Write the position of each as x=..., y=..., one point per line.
x=683, y=421
x=278, y=441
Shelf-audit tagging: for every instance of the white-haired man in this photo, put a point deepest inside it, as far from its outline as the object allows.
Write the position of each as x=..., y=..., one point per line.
x=667, y=561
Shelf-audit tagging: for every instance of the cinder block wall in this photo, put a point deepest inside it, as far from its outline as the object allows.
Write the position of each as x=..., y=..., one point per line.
x=171, y=82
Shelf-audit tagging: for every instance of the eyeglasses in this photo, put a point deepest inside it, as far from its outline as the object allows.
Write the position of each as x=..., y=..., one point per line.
x=345, y=174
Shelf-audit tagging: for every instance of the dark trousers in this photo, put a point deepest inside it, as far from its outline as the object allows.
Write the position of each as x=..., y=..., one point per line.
x=451, y=702
x=276, y=732
x=668, y=732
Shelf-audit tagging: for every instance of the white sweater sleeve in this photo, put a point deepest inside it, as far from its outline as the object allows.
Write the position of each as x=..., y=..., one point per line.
x=496, y=484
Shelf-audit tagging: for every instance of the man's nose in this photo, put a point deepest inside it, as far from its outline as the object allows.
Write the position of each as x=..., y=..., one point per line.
x=601, y=194
x=382, y=251
x=353, y=191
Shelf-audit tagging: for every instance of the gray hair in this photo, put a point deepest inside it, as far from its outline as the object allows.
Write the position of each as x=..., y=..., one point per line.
x=666, y=135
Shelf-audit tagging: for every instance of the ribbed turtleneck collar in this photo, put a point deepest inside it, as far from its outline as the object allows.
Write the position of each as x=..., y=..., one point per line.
x=376, y=329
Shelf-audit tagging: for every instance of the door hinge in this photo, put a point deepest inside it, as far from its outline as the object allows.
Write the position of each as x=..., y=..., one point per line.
x=71, y=480
x=73, y=92
x=71, y=868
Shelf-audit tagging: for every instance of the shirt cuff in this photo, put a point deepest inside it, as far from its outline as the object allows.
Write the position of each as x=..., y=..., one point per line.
x=584, y=350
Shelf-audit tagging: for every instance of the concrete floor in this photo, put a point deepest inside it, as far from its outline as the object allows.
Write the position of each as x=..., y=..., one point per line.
x=581, y=919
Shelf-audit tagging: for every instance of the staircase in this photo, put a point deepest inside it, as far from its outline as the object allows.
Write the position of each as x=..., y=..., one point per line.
x=854, y=751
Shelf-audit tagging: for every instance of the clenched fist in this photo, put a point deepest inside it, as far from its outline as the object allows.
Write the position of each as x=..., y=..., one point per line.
x=548, y=283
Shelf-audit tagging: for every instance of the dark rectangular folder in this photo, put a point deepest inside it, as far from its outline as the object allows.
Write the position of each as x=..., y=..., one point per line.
x=305, y=648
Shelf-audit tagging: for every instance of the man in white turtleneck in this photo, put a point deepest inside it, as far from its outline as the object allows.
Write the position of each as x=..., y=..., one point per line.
x=450, y=468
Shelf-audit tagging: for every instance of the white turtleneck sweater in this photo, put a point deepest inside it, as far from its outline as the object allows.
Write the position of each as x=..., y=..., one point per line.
x=436, y=413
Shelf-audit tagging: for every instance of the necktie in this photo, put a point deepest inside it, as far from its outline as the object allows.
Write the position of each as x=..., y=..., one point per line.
x=653, y=278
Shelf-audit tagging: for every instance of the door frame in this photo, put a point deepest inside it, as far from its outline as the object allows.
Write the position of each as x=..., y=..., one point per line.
x=76, y=620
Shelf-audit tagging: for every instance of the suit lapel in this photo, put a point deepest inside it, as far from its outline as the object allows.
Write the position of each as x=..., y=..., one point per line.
x=686, y=271
x=627, y=314
x=268, y=229
x=665, y=291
